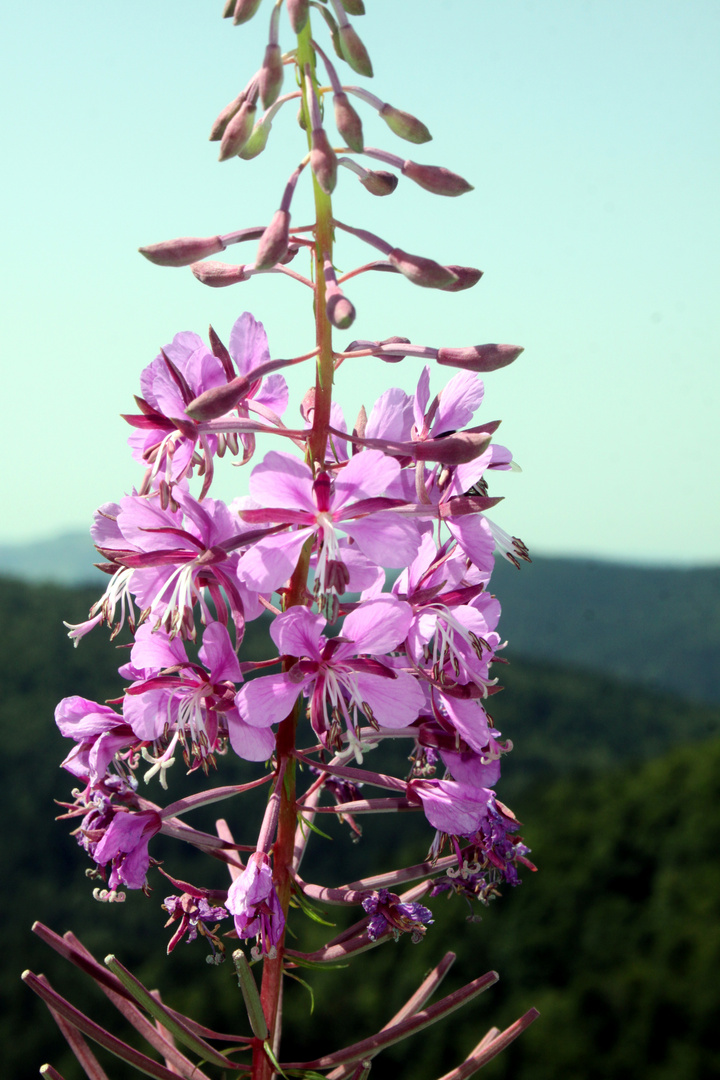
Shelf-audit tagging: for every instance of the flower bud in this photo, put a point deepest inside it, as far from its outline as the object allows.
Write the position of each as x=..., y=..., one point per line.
x=244, y=10
x=218, y=274
x=274, y=241
x=479, y=357
x=353, y=7
x=183, y=251
x=379, y=182
x=229, y=9
x=323, y=161
x=339, y=310
x=218, y=400
x=218, y=129
x=298, y=14
x=467, y=276
x=347, y=121
x=354, y=51
x=257, y=141
x=421, y=271
x=436, y=179
x=270, y=79
x=405, y=125
x=238, y=130
x=456, y=449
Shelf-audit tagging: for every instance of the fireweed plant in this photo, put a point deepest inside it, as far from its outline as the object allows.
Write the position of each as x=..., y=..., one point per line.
x=360, y=658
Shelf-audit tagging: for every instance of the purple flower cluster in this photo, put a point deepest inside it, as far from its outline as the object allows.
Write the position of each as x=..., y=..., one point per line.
x=370, y=661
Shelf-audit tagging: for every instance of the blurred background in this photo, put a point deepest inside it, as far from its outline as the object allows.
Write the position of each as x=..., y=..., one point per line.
x=589, y=133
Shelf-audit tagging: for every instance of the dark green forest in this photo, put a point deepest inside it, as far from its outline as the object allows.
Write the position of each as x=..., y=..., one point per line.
x=616, y=938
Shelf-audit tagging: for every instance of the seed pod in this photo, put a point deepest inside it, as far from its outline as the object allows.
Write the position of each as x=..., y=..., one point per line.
x=436, y=179
x=405, y=125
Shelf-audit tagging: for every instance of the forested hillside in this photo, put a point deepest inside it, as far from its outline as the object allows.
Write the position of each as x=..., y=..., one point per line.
x=616, y=938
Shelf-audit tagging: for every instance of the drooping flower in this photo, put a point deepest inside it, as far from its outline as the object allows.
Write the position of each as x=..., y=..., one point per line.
x=253, y=902
x=389, y=913
x=125, y=845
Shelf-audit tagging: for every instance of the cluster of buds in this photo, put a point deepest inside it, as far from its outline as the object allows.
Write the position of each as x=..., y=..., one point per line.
x=362, y=656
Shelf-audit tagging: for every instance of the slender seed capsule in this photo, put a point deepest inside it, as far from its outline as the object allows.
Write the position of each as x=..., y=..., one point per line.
x=354, y=51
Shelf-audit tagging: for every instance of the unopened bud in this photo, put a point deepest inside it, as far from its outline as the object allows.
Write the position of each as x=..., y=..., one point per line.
x=353, y=7
x=238, y=130
x=290, y=254
x=274, y=241
x=229, y=9
x=394, y=358
x=244, y=10
x=257, y=141
x=323, y=161
x=218, y=129
x=339, y=310
x=379, y=182
x=270, y=79
x=479, y=357
x=421, y=271
x=307, y=405
x=183, y=251
x=348, y=122
x=354, y=51
x=219, y=274
x=405, y=125
x=298, y=14
x=360, y=424
x=218, y=400
x=436, y=179
x=467, y=276
x=452, y=449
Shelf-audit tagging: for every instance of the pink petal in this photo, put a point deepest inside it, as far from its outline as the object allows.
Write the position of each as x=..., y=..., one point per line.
x=395, y=703
x=283, y=480
x=267, y=700
x=376, y=627
x=218, y=655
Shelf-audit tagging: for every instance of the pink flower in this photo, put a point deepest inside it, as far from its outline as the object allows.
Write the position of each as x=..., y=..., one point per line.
x=253, y=902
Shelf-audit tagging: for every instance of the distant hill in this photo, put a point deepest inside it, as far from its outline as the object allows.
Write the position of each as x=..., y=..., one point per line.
x=659, y=627
x=655, y=627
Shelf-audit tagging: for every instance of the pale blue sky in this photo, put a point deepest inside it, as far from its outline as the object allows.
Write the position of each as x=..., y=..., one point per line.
x=590, y=131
